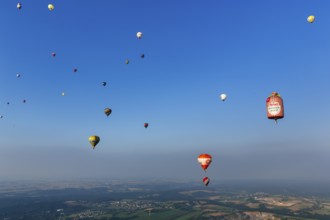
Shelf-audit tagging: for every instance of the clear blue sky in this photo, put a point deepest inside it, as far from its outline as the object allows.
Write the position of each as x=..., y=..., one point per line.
x=194, y=50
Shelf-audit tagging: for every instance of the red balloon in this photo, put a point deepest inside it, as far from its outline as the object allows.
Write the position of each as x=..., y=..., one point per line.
x=146, y=125
x=275, y=107
x=204, y=160
x=206, y=181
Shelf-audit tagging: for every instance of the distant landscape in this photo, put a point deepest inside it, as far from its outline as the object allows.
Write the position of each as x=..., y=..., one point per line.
x=159, y=199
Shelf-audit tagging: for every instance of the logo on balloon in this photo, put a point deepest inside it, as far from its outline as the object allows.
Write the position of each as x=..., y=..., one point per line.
x=274, y=108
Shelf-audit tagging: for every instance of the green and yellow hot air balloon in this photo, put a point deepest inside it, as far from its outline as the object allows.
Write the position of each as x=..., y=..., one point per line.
x=94, y=140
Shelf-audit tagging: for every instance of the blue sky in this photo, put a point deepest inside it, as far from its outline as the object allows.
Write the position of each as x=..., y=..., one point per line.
x=194, y=50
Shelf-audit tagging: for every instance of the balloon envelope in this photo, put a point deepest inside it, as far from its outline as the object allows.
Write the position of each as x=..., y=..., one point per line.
x=19, y=6
x=51, y=7
x=206, y=181
x=94, y=140
x=139, y=35
x=107, y=111
x=146, y=125
x=204, y=160
x=223, y=97
x=104, y=84
x=311, y=18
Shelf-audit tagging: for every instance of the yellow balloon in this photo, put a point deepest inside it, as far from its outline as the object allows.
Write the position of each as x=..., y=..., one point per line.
x=51, y=7
x=311, y=18
x=94, y=140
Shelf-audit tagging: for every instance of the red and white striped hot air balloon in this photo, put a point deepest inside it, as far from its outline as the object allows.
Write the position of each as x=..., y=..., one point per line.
x=205, y=160
x=206, y=181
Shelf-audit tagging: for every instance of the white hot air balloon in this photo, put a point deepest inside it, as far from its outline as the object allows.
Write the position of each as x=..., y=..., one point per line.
x=139, y=35
x=19, y=6
x=51, y=7
x=223, y=97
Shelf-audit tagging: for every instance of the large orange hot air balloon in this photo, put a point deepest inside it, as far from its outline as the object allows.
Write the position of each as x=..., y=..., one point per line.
x=275, y=108
x=205, y=160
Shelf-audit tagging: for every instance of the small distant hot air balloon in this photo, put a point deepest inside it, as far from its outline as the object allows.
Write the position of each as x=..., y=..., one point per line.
x=19, y=6
x=146, y=125
x=204, y=160
x=311, y=18
x=1, y=116
x=75, y=70
x=18, y=75
x=139, y=35
x=94, y=140
x=275, y=107
x=142, y=55
x=127, y=61
x=51, y=7
x=8, y=103
x=24, y=101
x=63, y=94
x=104, y=83
x=223, y=97
x=53, y=54
x=107, y=111
x=206, y=181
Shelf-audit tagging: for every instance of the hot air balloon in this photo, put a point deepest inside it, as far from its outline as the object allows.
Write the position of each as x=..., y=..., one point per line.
x=204, y=160
x=24, y=101
x=53, y=54
x=104, y=83
x=139, y=35
x=19, y=6
x=51, y=7
x=75, y=70
x=18, y=75
x=94, y=140
x=142, y=55
x=8, y=103
x=206, y=181
x=275, y=107
x=127, y=61
x=107, y=111
x=146, y=125
x=311, y=18
x=63, y=94
x=1, y=116
x=223, y=97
